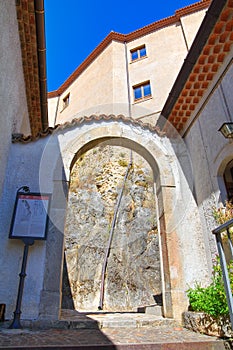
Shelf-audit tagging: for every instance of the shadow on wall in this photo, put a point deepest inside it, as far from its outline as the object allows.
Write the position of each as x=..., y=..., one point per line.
x=67, y=300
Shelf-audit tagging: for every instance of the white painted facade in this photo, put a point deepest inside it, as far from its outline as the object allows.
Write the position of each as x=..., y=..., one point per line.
x=210, y=152
x=14, y=113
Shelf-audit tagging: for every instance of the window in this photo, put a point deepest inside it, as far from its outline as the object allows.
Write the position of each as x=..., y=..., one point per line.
x=66, y=101
x=142, y=91
x=139, y=52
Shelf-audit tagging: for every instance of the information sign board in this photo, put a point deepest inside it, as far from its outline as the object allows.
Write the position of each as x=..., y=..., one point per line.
x=30, y=217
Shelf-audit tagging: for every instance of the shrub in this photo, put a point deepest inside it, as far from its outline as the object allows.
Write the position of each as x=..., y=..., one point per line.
x=211, y=299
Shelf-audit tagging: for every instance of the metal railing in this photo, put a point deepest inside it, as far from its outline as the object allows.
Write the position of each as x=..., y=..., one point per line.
x=225, y=228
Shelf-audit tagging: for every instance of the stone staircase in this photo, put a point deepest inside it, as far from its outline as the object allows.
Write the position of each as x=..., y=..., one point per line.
x=144, y=330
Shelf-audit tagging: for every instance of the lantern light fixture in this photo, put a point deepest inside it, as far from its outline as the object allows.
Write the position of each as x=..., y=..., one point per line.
x=227, y=130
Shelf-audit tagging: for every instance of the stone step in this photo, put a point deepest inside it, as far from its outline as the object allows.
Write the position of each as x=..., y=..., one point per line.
x=150, y=317
x=148, y=338
x=106, y=330
x=151, y=310
x=170, y=346
x=97, y=321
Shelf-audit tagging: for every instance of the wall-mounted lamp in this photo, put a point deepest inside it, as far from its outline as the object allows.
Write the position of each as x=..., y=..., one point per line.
x=227, y=130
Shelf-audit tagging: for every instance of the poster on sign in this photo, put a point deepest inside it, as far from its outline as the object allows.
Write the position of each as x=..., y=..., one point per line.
x=30, y=217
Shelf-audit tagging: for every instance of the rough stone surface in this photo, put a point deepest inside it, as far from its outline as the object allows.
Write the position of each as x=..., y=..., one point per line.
x=133, y=269
x=206, y=324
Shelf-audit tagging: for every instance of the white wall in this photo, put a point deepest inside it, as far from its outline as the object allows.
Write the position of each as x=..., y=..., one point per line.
x=190, y=25
x=210, y=152
x=14, y=114
x=22, y=170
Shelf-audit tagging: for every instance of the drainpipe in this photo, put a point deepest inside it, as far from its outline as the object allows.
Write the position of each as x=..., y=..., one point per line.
x=55, y=119
x=163, y=286
x=127, y=79
x=41, y=52
x=183, y=32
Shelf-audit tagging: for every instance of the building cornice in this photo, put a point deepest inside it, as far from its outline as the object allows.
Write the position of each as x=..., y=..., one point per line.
x=114, y=36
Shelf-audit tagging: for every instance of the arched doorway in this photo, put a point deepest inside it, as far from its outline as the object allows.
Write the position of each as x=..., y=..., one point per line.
x=181, y=242
x=112, y=256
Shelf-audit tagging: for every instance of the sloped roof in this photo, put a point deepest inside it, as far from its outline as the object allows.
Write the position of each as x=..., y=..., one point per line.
x=114, y=36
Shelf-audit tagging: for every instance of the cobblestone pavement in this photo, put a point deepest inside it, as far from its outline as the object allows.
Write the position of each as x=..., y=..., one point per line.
x=145, y=338
x=118, y=335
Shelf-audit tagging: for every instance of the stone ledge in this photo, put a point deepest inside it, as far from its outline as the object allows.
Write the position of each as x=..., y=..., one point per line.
x=200, y=322
x=94, y=323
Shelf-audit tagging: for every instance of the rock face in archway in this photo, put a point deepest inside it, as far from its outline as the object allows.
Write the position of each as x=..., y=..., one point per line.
x=133, y=270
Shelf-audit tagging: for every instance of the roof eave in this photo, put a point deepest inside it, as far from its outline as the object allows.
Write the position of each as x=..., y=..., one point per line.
x=127, y=38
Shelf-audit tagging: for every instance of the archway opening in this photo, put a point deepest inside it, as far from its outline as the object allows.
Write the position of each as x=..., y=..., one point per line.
x=132, y=277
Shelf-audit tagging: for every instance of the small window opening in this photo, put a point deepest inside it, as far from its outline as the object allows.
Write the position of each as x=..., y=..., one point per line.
x=138, y=53
x=142, y=91
x=66, y=101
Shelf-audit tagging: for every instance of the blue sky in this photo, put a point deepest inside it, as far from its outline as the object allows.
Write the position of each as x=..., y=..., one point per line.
x=75, y=27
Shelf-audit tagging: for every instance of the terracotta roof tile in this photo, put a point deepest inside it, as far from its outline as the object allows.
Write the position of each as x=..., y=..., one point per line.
x=19, y=138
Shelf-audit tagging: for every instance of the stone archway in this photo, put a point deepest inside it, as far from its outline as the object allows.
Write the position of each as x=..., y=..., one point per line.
x=180, y=228
x=111, y=224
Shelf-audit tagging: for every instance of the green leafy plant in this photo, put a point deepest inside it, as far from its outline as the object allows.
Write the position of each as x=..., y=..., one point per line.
x=211, y=299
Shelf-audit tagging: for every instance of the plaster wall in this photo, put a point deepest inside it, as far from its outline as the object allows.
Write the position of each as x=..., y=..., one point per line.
x=120, y=88
x=52, y=107
x=93, y=88
x=14, y=114
x=190, y=24
x=11, y=250
x=48, y=171
x=165, y=53
x=210, y=152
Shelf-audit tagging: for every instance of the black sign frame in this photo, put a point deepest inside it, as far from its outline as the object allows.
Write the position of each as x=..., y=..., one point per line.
x=30, y=217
